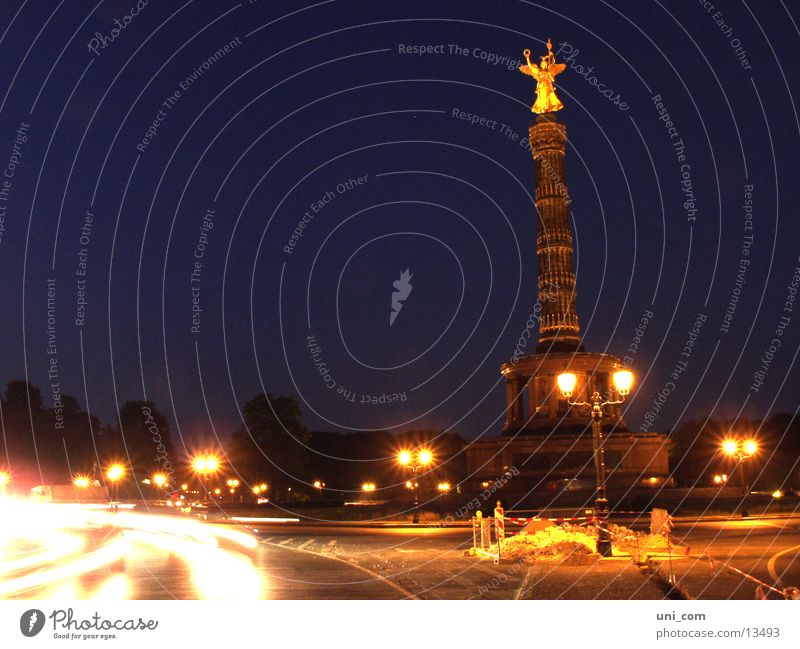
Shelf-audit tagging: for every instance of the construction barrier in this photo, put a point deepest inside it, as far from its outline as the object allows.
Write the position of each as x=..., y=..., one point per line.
x=482, y=545
x=499, y=523
x=662, y=523
x=762, y=588
x=489, y=531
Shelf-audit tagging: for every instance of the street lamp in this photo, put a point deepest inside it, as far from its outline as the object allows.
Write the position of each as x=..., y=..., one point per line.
x=80, y=482
x=406, y=459
x=368, y=488
x=115, y=473
x=623, y=381
x=259, y=489
x=741, y=451
x=318, y=485
x=204, y=466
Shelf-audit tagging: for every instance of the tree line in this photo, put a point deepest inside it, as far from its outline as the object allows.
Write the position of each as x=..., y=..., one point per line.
x=42, y=446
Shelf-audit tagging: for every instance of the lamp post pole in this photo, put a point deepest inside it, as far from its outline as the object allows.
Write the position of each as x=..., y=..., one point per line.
x=623, y=379
x=414, y=470
x=600, y=499
x=743, y=482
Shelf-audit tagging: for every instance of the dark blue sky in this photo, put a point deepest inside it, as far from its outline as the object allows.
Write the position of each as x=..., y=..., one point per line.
x=305, y=99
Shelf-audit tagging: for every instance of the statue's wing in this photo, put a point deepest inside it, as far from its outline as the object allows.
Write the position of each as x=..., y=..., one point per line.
x=557, y=68
x=531, y=70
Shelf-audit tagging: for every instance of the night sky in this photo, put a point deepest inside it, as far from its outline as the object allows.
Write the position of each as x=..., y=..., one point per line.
x=198, y=137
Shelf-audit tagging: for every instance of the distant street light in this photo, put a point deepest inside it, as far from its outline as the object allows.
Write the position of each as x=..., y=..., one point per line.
x=80, y=482
x=405, y=458
x=444, y=487
x=159, y=480
x=741, y=451
x=204, y=465
x=5, y=480
x=318, y=485
x=623, y=381
x=115, y=473
x=368, y=488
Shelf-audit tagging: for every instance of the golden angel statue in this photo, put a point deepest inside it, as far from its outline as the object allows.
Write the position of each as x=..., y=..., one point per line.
x=545, y=74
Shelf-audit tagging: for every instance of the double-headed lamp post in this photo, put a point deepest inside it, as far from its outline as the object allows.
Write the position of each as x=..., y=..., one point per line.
x=415, y=462
x=623, y=380
x=205, y=465
x=741, y=451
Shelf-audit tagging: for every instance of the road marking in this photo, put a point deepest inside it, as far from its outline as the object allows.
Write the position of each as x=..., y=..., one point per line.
x=305, y=544
x=251, y=519
x=774, y=559
x=523, y=587
x=329, y=547
x=286, y=542
x=269, y=540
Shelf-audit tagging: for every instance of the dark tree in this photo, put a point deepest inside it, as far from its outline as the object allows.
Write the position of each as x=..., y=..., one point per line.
x=44, y=445
x=142, y=437
x=75, y=428
x=271, y=445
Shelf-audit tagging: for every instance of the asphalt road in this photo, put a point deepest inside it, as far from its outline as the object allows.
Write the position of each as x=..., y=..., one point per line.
x=140, y=556
x=766, y=548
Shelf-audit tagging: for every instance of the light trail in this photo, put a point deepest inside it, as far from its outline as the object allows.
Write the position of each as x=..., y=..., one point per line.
x=50, y=546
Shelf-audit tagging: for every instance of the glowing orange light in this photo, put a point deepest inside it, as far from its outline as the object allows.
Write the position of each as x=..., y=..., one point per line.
x=404, y=458
x=159, y=479
x=566, y=383
x=205, y=464
x=623, y=380
x=425, y=457
x=730, y=447
x=750, y=447
x=80, y=481
x=115, y=472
